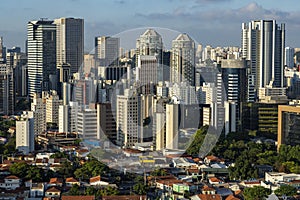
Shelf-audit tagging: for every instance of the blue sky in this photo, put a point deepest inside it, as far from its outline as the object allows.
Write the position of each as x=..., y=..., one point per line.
x=214, y=22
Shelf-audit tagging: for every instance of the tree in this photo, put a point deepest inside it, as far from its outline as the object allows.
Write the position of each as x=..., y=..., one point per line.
x=19, y=169
x=286, y=190
x=196, y=141
x=90, y=191
x=59, y=155
x=140, y=188
x=90, y=169
x=66, y=170
x=27, y=172
x=158, y=172
x=107, y=191
x=256, y=193
x=34, y=173
x=75, y=190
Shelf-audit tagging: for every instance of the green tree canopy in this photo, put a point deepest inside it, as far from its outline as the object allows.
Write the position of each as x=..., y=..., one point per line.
x=286, y=190
x=256, y=193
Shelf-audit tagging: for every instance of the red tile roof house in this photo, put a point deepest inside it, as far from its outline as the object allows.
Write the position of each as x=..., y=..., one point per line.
x=208, y=190
x=58, y=182
x=97, y=181
x=71, y=181
x=215, y=181
x=251, y=183
x=10, y=183
x=53, y=192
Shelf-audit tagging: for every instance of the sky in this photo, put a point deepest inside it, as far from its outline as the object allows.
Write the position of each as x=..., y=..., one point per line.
x=208, y=22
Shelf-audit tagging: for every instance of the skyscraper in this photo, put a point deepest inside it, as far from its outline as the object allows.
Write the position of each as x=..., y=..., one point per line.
x=128, y=118
x=107, y=50
x=2, y=51
x=183, y=60
x=289, y=57
x=263, y=43
x=150, y=44
x=25, y=133
x=70, y=42
x=41, y=41
x=7, y=92
x=38, y=108
x=146, y=74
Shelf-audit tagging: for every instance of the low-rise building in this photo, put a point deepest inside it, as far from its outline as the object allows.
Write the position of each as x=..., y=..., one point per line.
x=97, y=181
x=71, y=181
x=53, y=192
x=10, y=183
x=277, y=177
x=37, y=190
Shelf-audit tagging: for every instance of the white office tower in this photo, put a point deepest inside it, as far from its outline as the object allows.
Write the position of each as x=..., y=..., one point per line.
x=38, y=106
x=183, y=60
x=25, y=133
x=52, y=105
x=128, y=129
x=263, y=43
x=183, y=93
x=162, y=90
x=160, y=130
x=230, y=117
x=106, y=50
x=289, y=57
x=70, y=42
x=172, y=132
x=63, y=119
x=73, y=115
x=207, y=93
x=87, y=124
x=206, y=116
x=7, y=91
x=206, y=53
x=150, y=44
x=41, y=49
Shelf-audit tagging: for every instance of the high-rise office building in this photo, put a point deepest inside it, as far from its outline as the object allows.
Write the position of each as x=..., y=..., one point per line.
x=38, y=108
x=25, y=134
x=70, y=42
x=7, y=91
x=235, y=87
x=234, y=79
x=106, y=124
x=288, y=125
x=289, y=57
x=52, y=107
x=150, y=44
x=146, y=73
x=87, y=124
x=263, y=43
x=127, y=113
x=106, y=50
x=172, y=126
x=18, y=62
x=183, y=60
x=68, y=115
x=41, y=49
x=2, y=51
